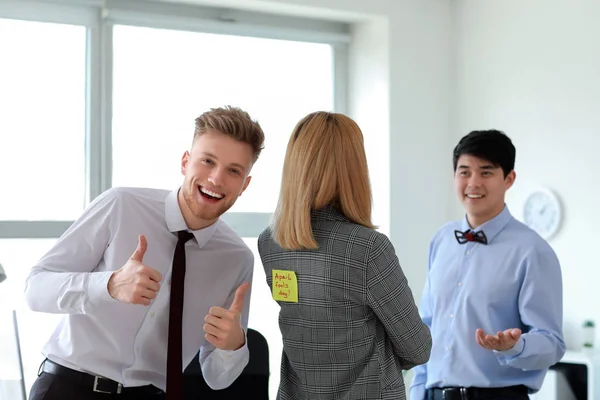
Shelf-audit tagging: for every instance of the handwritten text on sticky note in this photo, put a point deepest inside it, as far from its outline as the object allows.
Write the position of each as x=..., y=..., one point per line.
x=285, y=286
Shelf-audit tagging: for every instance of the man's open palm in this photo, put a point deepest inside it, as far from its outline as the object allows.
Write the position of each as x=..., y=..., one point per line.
x=500, y=342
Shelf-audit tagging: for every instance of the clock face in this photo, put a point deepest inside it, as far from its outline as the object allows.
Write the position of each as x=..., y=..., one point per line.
x=542, y=213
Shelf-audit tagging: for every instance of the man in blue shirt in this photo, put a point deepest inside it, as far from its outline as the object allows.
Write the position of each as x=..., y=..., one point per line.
x=493, y=296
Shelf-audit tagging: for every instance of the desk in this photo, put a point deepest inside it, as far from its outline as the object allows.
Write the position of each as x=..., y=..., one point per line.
x=590, y=359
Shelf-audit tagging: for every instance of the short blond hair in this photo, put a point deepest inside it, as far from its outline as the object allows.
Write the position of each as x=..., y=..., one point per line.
x=325, y=165
x=234, y=122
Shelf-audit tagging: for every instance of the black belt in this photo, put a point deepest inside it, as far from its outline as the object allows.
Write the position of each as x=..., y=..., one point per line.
x=473, y=393
x=96, y=384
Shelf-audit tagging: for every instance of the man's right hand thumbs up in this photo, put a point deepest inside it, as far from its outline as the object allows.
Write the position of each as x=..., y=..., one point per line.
x=135, y=283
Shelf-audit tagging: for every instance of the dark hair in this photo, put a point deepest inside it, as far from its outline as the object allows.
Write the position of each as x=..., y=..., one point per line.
x=490, y=145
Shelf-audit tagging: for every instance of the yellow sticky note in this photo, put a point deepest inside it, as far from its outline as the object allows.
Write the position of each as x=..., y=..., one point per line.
x=285, y=286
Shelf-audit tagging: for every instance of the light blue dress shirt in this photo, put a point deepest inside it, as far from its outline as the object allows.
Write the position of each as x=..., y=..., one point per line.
x=512, y=282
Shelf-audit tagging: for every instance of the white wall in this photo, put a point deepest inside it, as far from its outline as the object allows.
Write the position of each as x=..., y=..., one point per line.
x=532, y=69
x=369, y=91
x=421, y=98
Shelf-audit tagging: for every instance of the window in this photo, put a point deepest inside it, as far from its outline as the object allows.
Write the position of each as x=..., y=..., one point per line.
x=17, y=256
x=95, y=99
x=42, y=139
x=163, y=79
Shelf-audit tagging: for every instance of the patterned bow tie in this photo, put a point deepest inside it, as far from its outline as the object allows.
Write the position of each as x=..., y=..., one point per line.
x=470, y=236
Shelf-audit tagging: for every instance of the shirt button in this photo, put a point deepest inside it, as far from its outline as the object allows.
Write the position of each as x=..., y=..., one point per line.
x=459, y=283
x=468, y=252
x=447, y=348
x=451, y=315
x=152, y=315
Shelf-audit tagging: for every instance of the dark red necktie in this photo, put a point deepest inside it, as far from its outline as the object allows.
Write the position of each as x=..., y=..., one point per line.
x=470, y=236
x=174, y=349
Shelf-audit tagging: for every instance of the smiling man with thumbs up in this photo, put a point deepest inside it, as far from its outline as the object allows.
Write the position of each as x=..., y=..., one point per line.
x=146, y=278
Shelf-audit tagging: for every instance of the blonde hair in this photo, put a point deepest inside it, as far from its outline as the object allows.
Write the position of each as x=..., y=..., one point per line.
x=325, y=165
x=233, y=122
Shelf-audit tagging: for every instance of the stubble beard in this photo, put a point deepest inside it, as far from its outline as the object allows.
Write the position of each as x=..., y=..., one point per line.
x=200, y=211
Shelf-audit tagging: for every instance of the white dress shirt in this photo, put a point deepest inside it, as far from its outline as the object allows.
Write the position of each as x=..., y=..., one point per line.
x=124, y=342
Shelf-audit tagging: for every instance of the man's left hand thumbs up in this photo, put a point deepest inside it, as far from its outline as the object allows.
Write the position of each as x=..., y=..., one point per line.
x=223, y=328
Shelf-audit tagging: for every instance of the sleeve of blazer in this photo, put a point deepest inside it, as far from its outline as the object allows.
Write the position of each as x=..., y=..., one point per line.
x=390, y=297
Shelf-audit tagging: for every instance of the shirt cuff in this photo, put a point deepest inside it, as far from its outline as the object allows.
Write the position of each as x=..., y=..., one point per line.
x=222, y=367
x=98, y=288
x=233, y=357
x=515, y=351
x=417, y=392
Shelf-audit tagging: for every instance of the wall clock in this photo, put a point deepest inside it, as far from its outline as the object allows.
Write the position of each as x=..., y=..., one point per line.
x=543, y=212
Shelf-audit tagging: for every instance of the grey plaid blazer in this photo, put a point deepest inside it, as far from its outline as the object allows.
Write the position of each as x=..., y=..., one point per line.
x=355, y=326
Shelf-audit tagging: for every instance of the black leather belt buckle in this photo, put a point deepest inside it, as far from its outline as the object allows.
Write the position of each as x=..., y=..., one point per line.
x=453, y=394
x=107, y=386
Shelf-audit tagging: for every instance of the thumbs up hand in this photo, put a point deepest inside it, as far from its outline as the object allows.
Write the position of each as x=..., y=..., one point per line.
x=223, y=328
x=135, y=283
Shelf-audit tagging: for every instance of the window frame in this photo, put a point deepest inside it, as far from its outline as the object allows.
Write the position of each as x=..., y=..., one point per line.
x=99, y=17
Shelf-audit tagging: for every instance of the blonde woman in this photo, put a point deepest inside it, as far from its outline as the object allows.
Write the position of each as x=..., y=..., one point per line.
x=348, y=319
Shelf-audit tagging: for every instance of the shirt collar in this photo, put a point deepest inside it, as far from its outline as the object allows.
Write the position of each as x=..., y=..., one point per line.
x=175, y=221
x=492, y=227
x=329, y=213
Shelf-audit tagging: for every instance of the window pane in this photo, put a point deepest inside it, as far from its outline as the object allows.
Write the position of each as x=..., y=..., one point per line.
x=42, y=129
x=164, y=79
x=17, y=256
x=264, y=317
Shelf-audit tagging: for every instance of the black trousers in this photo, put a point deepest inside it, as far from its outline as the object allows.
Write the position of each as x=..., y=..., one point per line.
x=507, y=393
x=54, y=387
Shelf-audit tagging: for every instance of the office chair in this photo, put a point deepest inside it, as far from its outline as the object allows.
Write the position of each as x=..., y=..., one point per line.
x=252, y=384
